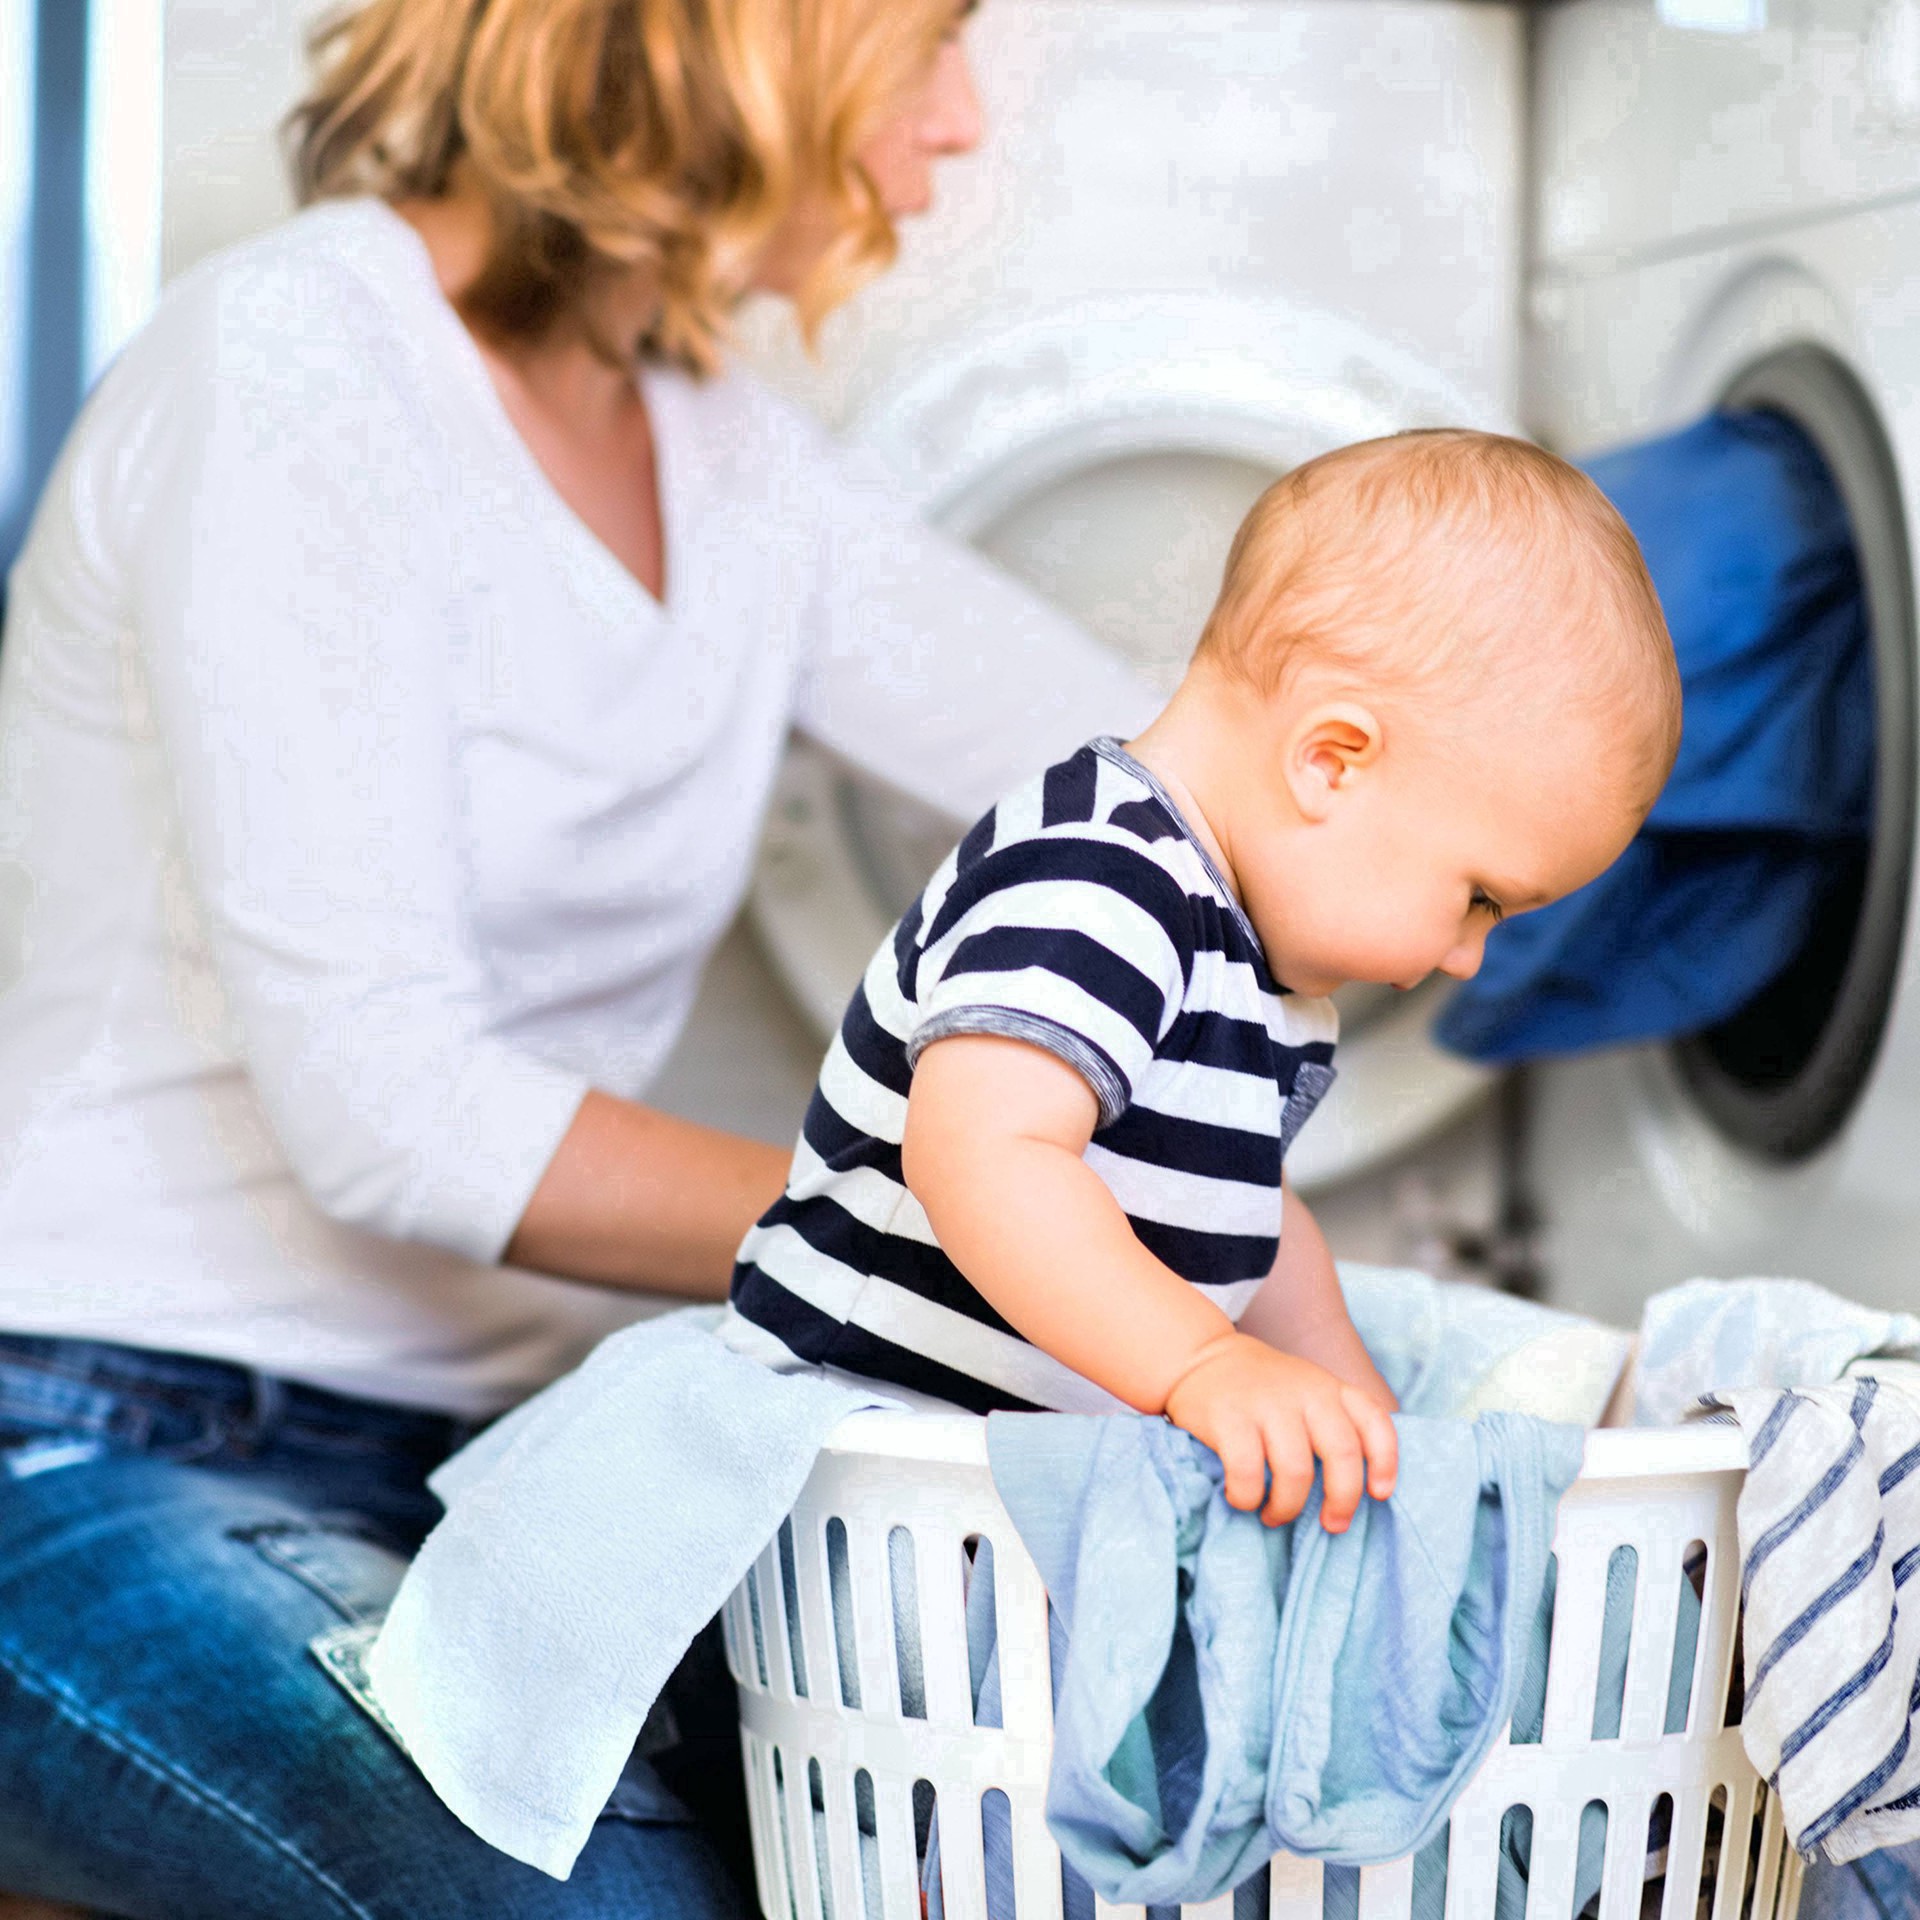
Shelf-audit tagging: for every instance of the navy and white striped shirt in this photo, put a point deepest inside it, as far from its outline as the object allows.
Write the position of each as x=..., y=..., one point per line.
x=1081, y=916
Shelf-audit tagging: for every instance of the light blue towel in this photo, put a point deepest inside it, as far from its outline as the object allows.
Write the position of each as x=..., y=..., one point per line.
x=1717, y=1336
x=589, y=1535
x=1231, y=1689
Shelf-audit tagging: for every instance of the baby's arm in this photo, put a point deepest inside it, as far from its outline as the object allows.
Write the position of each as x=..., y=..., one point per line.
x=1300, y=1308
x=995, y=1135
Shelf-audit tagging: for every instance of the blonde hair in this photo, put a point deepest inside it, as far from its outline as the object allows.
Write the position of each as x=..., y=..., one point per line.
x=665, y=137
x=1387, y=557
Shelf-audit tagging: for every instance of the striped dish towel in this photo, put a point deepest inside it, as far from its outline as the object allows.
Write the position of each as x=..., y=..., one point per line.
x=1829, y=1524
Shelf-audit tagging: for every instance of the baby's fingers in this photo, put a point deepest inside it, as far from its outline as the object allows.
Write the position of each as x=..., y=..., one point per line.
x=1244, y=1481
x=1289, y=1461
x=1377, y=1437
x=1342, y=1465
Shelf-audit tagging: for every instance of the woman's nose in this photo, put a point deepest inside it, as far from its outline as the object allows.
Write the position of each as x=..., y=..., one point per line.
x=952, y=121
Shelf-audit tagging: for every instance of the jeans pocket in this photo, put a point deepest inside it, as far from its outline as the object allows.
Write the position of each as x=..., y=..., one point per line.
x=345, y=1564
x=50, y=1419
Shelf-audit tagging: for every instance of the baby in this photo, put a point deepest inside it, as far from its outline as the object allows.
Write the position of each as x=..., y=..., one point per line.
x=1044, y=1166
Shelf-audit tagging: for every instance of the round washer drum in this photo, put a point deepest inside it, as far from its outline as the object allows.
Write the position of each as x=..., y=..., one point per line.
x=1781, y=1076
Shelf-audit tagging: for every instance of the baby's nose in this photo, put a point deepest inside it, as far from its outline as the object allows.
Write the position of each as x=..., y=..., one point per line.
x=1464, y=961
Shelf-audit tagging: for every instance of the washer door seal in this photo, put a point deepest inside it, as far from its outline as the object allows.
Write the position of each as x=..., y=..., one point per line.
x=1781, y=1076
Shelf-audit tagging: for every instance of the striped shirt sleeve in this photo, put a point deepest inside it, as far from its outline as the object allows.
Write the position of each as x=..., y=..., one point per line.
x=1074, y=944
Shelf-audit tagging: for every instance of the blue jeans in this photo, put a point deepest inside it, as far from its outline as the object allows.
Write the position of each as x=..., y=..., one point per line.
x=173, y=1532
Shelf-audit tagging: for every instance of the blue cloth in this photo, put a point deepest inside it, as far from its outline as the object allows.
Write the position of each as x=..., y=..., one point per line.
x=1766, y=815
x=1231, y=1689
x=589, y=1535
x=173, y=1533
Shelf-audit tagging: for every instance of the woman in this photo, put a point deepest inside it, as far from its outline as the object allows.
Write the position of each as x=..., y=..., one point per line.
x=393, y=683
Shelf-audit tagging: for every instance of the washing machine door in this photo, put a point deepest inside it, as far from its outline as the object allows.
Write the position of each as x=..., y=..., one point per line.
x=1104, y=453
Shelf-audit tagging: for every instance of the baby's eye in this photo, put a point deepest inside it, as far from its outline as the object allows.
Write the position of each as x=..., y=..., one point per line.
x=1484, y=902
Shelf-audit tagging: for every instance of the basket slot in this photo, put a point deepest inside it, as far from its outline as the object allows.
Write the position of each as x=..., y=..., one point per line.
x=1104, y=1910
x=1295, y=1888
x=769, y=1870
x=796, y=1838
x=810, y=1577
x=926, y=1827
x=757, y=1623
x=940, y=1564
x=1719, y=1624
x=836, y=1836
x=1553, y=1859
x=1623, y=1877
x=1685, y=1844
x=1616, y=1626
x=1737, y=1862
x=791, y=1639
x=903, y=1583
x=1386, y=1892
x=1573, y=1658
x=1036, y=1862
x=873, y=1627
x=1656, y=1617
x=899, y=1859
x=963, y=1867
x=1766, y=1886
x=773, y=1633
x=1473, y=1863
x=1713, y=1857
x=840, y=1602
x=981, y=1586
x=1026, y=1661
x=738, y=1634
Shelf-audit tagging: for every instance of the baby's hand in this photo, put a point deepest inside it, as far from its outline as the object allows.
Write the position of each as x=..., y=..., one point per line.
x=1267, y=1413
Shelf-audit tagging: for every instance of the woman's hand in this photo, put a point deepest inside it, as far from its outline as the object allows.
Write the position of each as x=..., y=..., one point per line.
x=637, y=1198
x=1268, y=1415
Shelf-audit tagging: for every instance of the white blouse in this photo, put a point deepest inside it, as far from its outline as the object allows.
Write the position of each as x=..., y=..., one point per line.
x=358, y=810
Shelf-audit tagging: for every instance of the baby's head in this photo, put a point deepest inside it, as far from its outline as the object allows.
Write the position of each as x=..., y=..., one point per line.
x=1437, y=687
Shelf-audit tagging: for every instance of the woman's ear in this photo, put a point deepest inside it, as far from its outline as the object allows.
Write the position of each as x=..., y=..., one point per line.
x=1329, y=747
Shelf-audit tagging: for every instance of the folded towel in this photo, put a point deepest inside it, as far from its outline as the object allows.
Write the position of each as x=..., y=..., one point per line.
x=1829, y=1522
x=589, y=1535
x=1828, y=1394
x=1711, y=1336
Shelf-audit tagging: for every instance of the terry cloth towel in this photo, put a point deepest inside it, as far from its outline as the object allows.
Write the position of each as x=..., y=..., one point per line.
x=1828, y=1394
x=589, y=1535
x=1230, y=1689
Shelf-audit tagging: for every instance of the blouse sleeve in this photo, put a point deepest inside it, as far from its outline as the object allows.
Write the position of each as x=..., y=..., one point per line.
x=294, y=596
x=935, y=670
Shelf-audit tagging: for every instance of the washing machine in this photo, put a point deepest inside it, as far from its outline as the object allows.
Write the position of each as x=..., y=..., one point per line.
x=1202, y=243
x=1734, y=220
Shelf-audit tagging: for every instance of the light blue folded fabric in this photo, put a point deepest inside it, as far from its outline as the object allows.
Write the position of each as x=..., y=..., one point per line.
x=1446, y=1348
x=589, y=1535
x=1231, y=1689
x=1717, y=1336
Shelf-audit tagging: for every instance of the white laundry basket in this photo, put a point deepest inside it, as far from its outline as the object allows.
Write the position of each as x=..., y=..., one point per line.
x=841, y=1764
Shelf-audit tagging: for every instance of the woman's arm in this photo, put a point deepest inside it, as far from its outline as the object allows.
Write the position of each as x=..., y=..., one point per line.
x=637, y=1198
x=935, y=670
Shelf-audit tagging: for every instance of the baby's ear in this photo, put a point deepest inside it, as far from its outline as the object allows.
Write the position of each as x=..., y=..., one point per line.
x=1330, y=745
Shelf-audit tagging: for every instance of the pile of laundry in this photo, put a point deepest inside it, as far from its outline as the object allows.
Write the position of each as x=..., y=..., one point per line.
x=1352, y=1684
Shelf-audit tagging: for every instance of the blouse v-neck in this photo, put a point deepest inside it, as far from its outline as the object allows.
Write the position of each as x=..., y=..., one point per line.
x=656, y=388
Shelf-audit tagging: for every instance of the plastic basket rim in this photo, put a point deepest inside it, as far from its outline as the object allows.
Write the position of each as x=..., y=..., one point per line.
x=1612, y=1453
